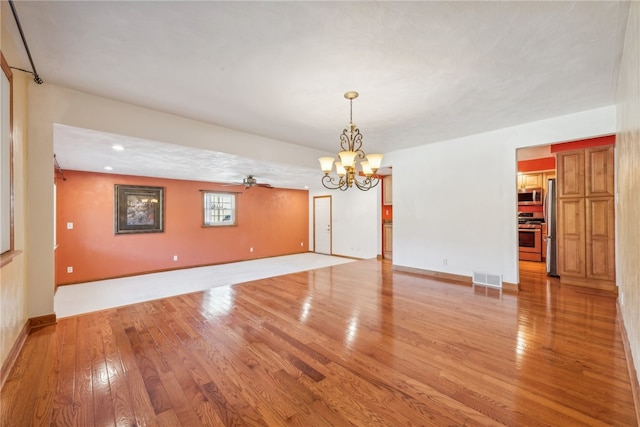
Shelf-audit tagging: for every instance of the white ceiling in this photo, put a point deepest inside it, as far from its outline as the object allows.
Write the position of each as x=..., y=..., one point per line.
x=426, y=71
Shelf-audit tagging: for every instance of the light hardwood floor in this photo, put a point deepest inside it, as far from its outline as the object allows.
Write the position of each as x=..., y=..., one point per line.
x=354, y=344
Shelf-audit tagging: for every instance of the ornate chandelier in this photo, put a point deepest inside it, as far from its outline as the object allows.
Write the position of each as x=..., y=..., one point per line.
x=351, y=144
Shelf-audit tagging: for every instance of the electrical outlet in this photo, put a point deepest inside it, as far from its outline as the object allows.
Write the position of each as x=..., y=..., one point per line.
x=69, y=269
x=250, y=249
x=445, y=261
x=175, y=257
x=301, y=243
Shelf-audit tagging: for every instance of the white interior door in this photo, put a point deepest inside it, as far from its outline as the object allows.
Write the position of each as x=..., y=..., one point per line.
x=322, y=224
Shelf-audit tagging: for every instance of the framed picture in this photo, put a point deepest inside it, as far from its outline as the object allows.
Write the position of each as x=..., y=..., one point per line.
x=138, y=209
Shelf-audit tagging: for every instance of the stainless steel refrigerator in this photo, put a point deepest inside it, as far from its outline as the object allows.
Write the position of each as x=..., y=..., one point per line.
x=550, y=217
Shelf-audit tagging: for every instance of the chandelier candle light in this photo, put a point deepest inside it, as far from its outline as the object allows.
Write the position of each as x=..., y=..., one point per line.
x=351, y=144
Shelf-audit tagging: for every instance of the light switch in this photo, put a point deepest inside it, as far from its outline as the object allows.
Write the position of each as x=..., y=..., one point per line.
x=69, y=226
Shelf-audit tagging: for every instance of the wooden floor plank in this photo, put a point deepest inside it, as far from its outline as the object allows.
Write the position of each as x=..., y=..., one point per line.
x=149, y=372
x=356, y=344
x=63, y=404
x=140, y=400
x=103, y=404
x=46, y=391
x=123, y=411
x=83, y=385
x=14, y=403
x=242, y=372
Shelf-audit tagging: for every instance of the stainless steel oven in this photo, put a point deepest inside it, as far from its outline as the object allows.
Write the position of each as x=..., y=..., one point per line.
x=530, y=242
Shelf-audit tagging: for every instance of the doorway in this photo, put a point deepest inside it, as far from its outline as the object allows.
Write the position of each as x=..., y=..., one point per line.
x=322, y=224
x=536, y=167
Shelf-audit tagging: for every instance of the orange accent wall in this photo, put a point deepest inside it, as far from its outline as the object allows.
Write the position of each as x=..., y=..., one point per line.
x=584, y=143
x=535, y=165
x=271, y=220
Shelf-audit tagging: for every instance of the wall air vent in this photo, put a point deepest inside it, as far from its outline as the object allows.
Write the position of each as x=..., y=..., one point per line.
x=487, y=279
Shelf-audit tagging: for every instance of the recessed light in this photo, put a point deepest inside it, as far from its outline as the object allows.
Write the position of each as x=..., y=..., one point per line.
x=117, y=147
x=108, y=168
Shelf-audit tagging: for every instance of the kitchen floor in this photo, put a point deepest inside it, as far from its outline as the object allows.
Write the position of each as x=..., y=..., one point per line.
x=535, y=273
x=71, y=300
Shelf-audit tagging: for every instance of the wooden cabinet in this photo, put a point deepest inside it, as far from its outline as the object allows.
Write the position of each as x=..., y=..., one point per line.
x=570, y=169
x=388, y=240
x=529, y=180
x=571, y=237
x=600, y=238
x=586, y=218
x=599, y=172
x=387, y=190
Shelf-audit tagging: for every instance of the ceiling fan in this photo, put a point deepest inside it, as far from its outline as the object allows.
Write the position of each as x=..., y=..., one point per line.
x=250, y=181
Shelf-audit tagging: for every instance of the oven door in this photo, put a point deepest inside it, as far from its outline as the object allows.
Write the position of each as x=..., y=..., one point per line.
x=530, y=244
x=529, y=239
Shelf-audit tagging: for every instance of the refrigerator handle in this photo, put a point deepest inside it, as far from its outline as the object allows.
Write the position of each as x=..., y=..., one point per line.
x=545, y=203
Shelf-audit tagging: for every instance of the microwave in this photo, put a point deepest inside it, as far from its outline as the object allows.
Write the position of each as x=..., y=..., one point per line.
x=530, y=197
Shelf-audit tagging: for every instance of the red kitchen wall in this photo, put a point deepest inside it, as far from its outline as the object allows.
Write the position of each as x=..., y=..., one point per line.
x=584, y=143
x=535, y=165
x=387, y=212
x=272, y=221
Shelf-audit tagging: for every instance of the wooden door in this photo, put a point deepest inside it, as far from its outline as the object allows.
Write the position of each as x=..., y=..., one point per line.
x=388, y=241
x=571, y=237
x=600, y=238
x=570, y=170
x=599, y=172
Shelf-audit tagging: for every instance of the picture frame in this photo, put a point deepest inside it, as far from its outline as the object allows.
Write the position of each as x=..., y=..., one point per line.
x=138, y=209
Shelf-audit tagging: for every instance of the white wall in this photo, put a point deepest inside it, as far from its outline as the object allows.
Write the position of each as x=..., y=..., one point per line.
x=356, y=221
x=457, y=199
